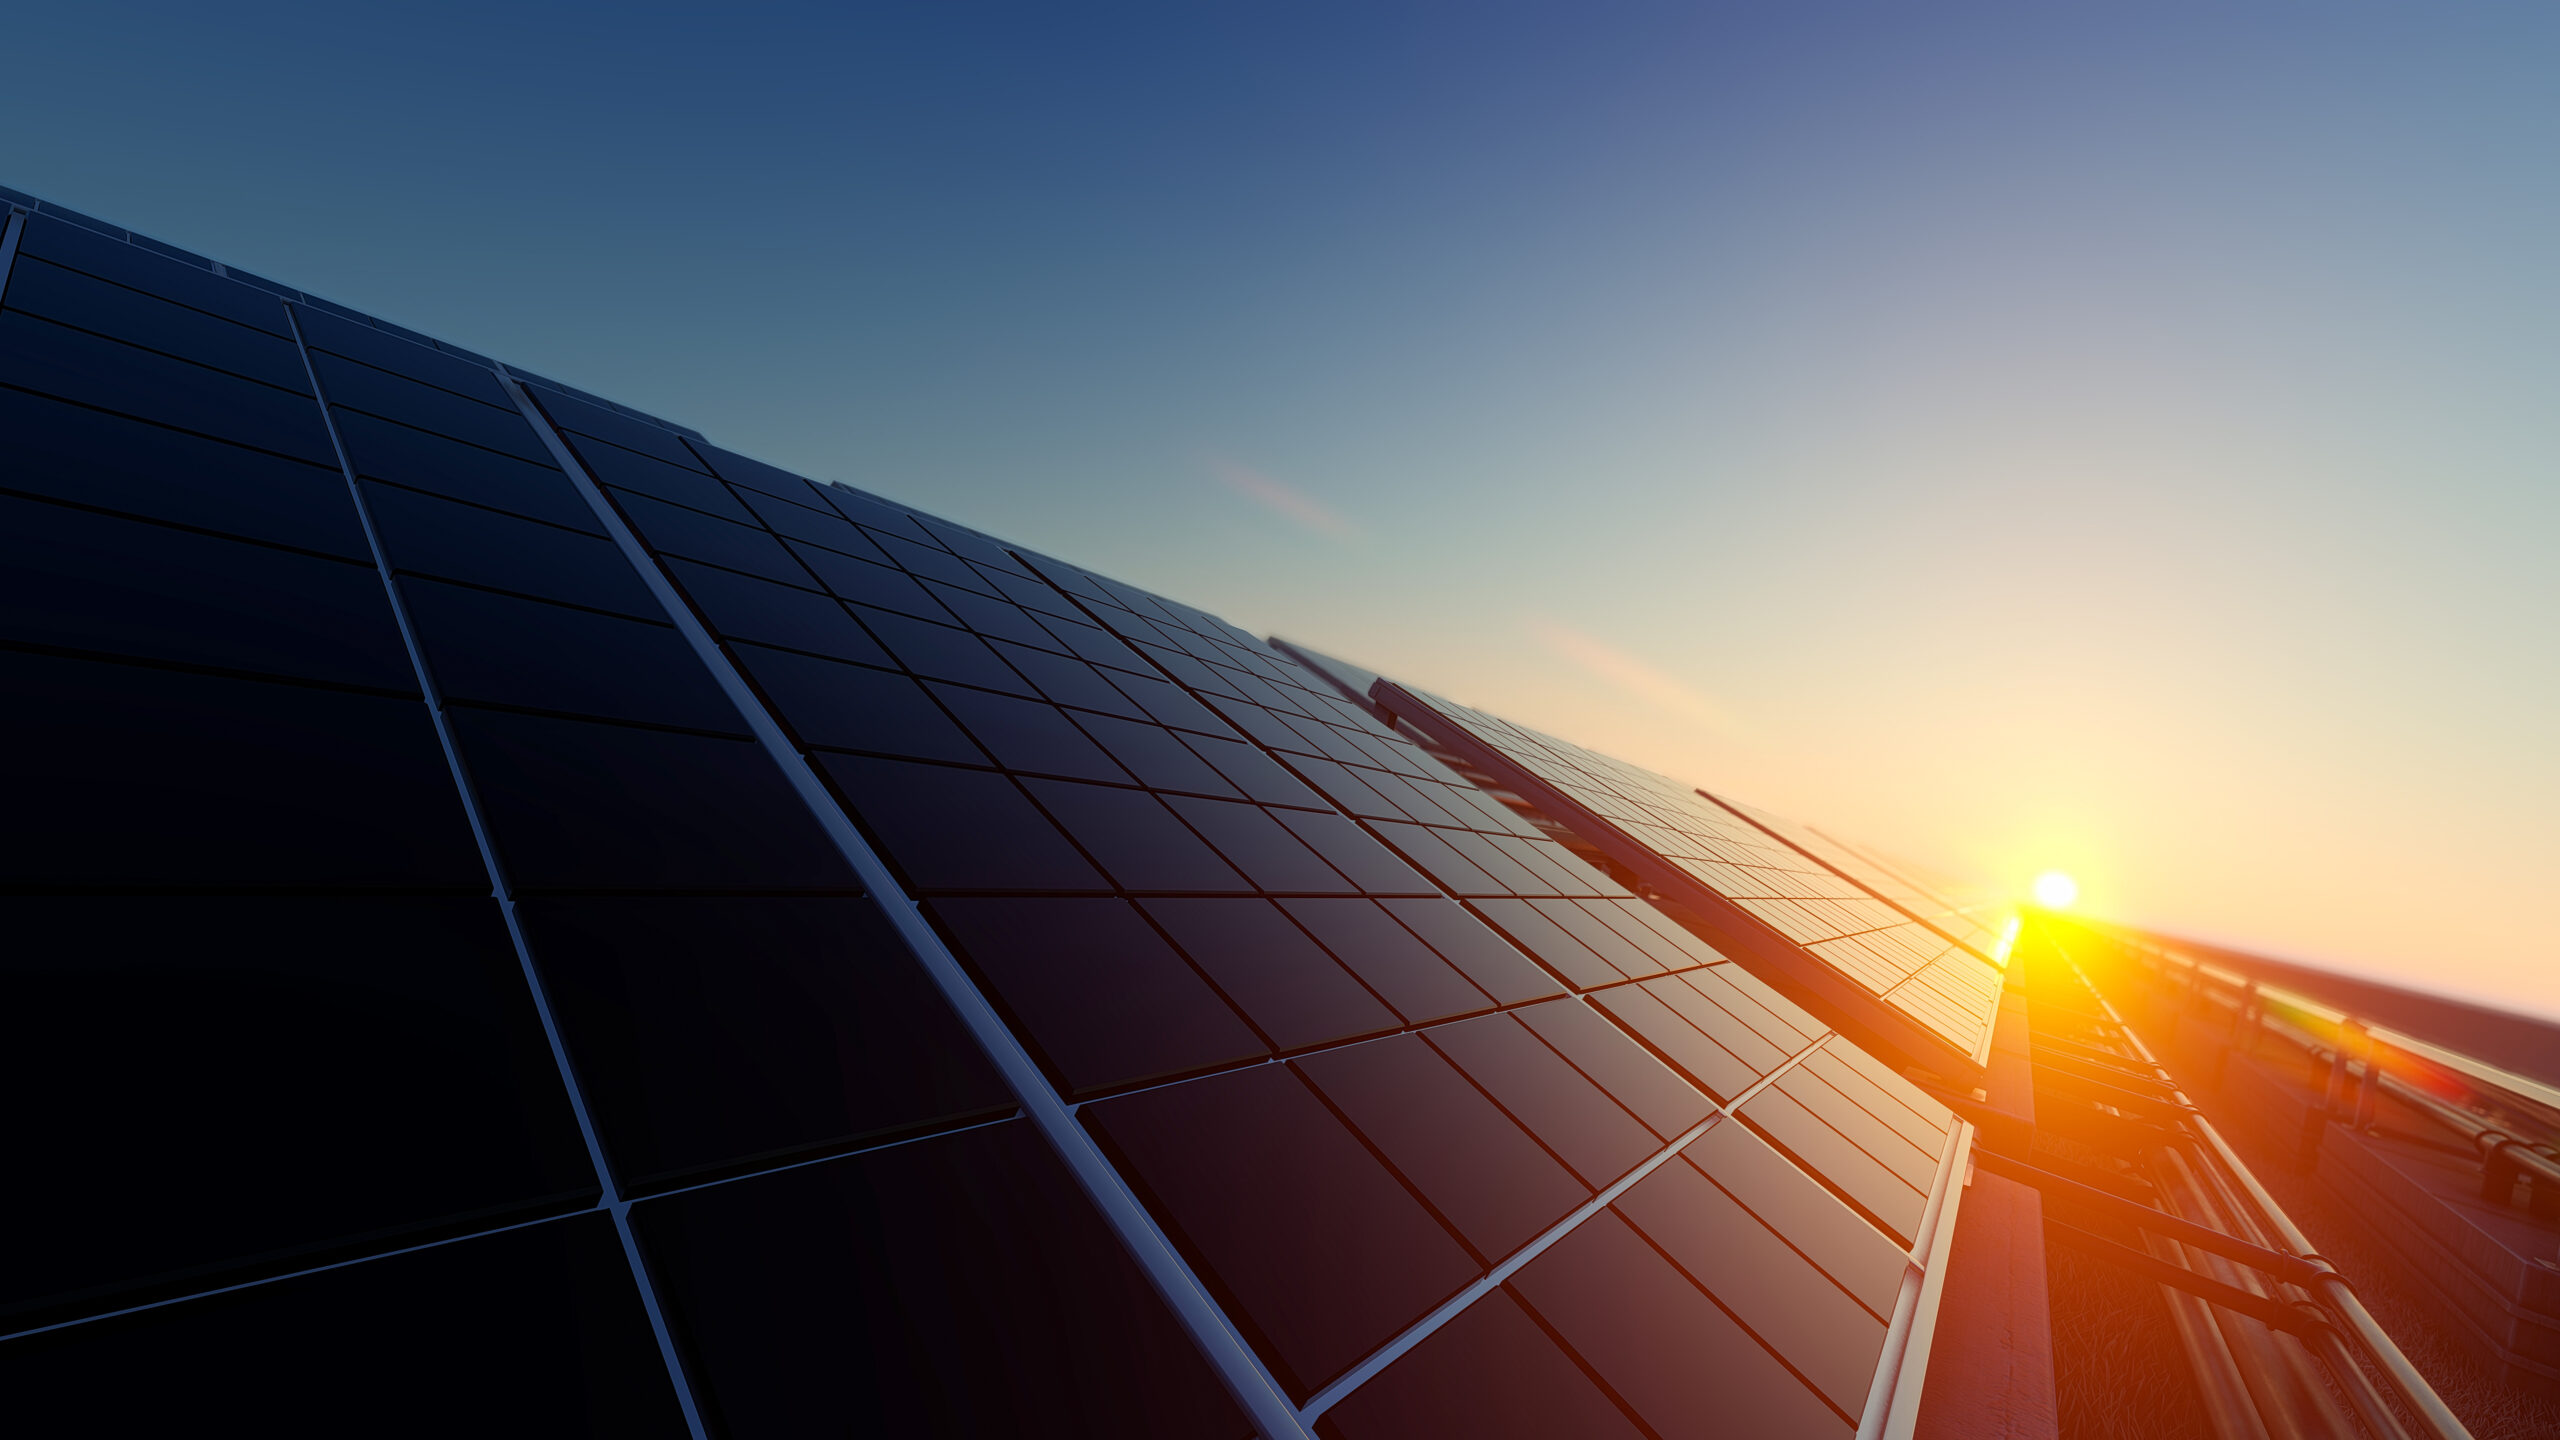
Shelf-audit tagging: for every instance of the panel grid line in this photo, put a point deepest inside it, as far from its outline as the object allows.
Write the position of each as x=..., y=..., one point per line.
x=9, y=249
x=1501, y=1273
x=1219, y=1342
x=503, y=892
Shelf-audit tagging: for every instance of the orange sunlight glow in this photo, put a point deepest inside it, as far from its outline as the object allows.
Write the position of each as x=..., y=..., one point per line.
x=2055, y=890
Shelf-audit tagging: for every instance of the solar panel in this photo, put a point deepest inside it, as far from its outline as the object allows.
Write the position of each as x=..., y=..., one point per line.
x=671, y=946
x=1811, y=916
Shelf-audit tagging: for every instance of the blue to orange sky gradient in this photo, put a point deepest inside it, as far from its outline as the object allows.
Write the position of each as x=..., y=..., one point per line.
x=2117, y=439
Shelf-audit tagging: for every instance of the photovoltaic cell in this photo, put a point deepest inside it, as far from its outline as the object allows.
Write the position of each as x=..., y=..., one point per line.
x=958, y=1285
x=539, y=1328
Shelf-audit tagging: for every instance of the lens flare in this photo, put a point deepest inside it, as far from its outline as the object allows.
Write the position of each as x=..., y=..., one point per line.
x=2055, y=890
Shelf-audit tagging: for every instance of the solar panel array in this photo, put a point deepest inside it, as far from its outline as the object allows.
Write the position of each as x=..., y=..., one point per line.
x=1886, y=951
x=443, y=950
x=1966, y=974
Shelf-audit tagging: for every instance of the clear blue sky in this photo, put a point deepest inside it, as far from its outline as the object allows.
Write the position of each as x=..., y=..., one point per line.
x=2112, y=437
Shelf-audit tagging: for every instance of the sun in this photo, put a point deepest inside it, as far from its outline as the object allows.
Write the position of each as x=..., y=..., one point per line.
x=2055, y=890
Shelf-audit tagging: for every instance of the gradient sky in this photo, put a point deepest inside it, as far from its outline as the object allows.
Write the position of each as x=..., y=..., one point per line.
x=2117, y=438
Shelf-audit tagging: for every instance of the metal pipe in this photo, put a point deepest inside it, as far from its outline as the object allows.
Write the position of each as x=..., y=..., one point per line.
x=2372, y=1341
x=2292, y=1269
x=2493, y=1144
x=2369, y=1088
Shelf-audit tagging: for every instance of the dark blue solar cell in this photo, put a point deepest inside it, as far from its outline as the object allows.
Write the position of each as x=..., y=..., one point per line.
x=1284, y=982
x=1167, y=703
x=1361, y=859
x=713, y=1034
x=94, y=254
x=956, y=1286
x=500, y=650
x=571, y=413
x=1419, y=984
x=84, y=581
x=971, y=546
x=1032, y=594
x=121, y=775
x=430, y=535
x=871, y=583
x=69, y=453
x=394, y=397
x=575, y=805
x=993, y=619
x=1489, y=1374
x=630, y=470
x=347, y=1072
x=871, y=511
x=1795, y=1310
x=756, y=475
x=71, y=298
x=1264, y=726
x=823, y=528
x=1678, y=1360
x=1099, y=646
x=940, y=652
x=1258, y=845
x=1134, y=838
x=1666, y=1103
x=1370, y=793
x=854, y=707
x=407, y=456
x=1555, y=1102
x=385, y=351
x=950, y=829
x=1482, y=956
x=1099, y=996
x=744, y=608
x=675, y=530
x=539, y=1331
x=1028, y=735
x=1847, y=1248
x=189, y=257
x=1203, y=678
x=73, y=365
x=931, y=561
x=1497, y=1187
x=1156, y=757
x=1316, y=1249
x=1258, y=775
x=1068, y=681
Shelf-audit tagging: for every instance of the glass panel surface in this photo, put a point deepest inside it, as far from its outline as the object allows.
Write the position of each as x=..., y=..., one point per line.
x=960, y=1284
x=1316, y=1249
x=538, y=1330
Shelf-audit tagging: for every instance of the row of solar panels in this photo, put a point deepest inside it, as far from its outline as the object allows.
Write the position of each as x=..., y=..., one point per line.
x=319, y=639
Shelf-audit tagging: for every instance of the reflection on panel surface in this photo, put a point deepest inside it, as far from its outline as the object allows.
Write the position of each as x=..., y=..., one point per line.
x=444, y=803
x=1931, y=964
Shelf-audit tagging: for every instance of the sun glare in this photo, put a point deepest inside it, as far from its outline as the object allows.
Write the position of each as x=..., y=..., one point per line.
x=2055, y=890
